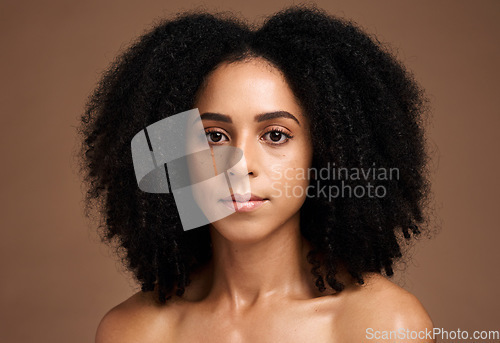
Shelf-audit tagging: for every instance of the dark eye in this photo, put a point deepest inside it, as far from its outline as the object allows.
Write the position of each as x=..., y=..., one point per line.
x=215, y=137
x=277, y=137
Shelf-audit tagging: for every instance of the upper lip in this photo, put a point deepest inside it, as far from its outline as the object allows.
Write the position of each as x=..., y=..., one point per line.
x=243, y=197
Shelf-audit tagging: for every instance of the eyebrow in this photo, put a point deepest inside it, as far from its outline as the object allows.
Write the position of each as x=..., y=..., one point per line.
x=258, y=118
x=216, y=116
x=273, y=115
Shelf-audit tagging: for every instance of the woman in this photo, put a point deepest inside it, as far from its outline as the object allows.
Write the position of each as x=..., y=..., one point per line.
x=329, y=124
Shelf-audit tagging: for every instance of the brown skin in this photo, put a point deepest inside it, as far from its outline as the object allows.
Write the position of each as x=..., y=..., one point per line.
x=258, y=287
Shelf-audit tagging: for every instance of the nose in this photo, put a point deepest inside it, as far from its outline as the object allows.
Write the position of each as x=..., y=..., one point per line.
x=247, y=164
x=240, y=169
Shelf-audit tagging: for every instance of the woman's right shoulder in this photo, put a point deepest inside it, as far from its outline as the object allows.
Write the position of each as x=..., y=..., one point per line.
x=140, y=318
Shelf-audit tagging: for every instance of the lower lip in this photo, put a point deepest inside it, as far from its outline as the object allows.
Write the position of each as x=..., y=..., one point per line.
x=247, y=206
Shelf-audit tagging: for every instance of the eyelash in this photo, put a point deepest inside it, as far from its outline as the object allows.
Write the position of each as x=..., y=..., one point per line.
x=210, y=131
x=280, y=130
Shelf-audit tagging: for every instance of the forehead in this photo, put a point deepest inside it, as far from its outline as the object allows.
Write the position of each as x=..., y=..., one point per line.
x=252, y=85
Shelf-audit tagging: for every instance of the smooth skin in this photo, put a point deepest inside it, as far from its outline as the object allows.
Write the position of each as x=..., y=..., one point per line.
x=258, y=288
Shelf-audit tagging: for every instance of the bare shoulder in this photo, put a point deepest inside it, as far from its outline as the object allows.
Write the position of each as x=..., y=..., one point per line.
x=382, y=310
x=394, y=304
x=138, y=319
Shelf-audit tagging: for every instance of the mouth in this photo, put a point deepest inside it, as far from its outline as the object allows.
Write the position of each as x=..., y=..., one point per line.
x=243, y=202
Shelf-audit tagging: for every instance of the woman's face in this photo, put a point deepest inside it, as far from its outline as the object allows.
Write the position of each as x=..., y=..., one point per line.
x=249, y=105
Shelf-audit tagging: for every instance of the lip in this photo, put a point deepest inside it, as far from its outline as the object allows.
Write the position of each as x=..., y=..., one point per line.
x=243, y=202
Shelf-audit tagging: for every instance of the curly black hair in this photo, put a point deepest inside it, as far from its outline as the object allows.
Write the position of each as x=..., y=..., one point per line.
x=365, y=109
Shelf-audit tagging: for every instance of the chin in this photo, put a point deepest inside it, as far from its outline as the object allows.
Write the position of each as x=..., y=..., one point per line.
x=242, y=230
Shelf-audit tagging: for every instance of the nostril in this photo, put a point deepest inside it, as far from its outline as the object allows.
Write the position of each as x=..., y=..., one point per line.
x=232, y=173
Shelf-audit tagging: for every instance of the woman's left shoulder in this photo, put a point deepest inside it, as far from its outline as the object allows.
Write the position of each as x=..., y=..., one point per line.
x=381, y=308
x=395, y=303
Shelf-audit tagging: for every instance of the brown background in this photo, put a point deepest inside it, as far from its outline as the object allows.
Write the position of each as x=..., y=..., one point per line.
x=57, y=281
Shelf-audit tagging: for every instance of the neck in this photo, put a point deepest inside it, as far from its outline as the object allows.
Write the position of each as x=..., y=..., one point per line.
x=247, y=273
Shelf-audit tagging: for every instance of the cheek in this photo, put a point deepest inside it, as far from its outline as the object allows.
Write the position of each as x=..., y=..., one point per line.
x=290, y=180
x=291, y=164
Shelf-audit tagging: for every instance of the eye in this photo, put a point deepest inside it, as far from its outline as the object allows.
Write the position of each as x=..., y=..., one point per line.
x=215, y=137
x=277, y=136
